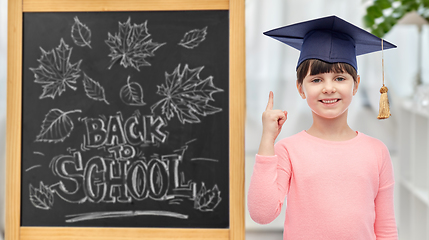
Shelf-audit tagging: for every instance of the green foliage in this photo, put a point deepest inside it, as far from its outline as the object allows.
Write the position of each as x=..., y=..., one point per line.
x=382, y=15
x=375, y=11
x=383, y=4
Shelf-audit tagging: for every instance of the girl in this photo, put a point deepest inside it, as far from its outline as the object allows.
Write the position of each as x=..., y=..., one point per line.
x=338, y=182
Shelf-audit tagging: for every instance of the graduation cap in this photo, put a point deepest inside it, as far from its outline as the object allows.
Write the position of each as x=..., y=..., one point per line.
x=332, y=39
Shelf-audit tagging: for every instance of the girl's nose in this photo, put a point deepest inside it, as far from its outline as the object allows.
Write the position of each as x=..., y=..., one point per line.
x=329, y=89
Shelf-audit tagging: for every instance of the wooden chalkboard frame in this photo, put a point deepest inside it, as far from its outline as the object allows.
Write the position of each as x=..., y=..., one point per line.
x=14, y=119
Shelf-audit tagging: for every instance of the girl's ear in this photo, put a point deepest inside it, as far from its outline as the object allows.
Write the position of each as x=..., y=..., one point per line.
x=300, y=90
x=356, y=85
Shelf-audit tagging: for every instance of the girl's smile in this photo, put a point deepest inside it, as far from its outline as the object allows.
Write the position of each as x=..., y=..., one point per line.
x=330, y=101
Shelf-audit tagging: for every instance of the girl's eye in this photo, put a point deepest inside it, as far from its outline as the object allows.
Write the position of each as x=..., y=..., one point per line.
x=339, y=79
x=316, y=80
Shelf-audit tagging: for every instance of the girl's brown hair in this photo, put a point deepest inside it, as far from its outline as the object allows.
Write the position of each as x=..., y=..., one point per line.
x=317, y=66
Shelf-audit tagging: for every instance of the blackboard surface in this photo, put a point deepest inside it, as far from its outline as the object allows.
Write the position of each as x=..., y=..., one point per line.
x=125, y=119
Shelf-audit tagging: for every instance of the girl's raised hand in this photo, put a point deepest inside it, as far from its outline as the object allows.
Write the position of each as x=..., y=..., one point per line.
x=272, y=122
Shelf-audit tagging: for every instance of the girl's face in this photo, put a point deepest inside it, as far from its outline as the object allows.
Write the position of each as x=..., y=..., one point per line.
x=328, y=94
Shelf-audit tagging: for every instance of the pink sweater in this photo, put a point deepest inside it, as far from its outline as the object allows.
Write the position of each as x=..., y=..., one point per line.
x=335, y=190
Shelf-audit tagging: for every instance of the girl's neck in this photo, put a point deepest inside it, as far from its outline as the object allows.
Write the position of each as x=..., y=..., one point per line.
x=333, y=129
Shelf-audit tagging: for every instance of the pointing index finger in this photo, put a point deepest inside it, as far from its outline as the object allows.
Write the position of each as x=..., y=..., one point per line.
x=270, y=101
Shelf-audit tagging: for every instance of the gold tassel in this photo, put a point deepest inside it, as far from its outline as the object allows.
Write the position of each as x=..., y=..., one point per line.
x=384, y=111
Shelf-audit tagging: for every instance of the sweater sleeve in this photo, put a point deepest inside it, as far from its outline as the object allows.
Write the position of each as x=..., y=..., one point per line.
x=385, y=225
x=268, y=187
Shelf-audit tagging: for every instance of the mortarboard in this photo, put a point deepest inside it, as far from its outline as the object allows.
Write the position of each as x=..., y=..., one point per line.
x=330, y=39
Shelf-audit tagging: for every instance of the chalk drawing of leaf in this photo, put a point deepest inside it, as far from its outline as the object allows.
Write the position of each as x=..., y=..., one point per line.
x=193, y=38
x=81, y=34
x=132, y=94
x=56, y=126
x=55, y=71
x=207, y=200
x=186, y=94
x=93, y=89
x=42, y=198
x=131, y=46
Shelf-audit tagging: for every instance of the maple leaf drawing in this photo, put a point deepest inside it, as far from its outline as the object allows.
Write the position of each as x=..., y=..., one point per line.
x=207, y=200
x=55, y=71
x=41, y=197
x=186, y=95
x=131, y=45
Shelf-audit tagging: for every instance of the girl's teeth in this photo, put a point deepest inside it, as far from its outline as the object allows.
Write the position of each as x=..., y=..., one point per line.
x=329, y=101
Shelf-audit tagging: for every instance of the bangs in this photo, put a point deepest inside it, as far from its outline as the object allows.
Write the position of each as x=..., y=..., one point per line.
x=316, y=66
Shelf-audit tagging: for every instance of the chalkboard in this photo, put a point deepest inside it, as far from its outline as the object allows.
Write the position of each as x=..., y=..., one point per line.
x=125, y=119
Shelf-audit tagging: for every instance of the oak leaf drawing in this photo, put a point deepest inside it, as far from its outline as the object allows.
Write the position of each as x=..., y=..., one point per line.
x=55, y=71
x=81, y=34
x=186, y=95
x=207, y=200
x=93, y=89
x=56, y=126
x=193, y=38
x=131, y=45
x=41, y=197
